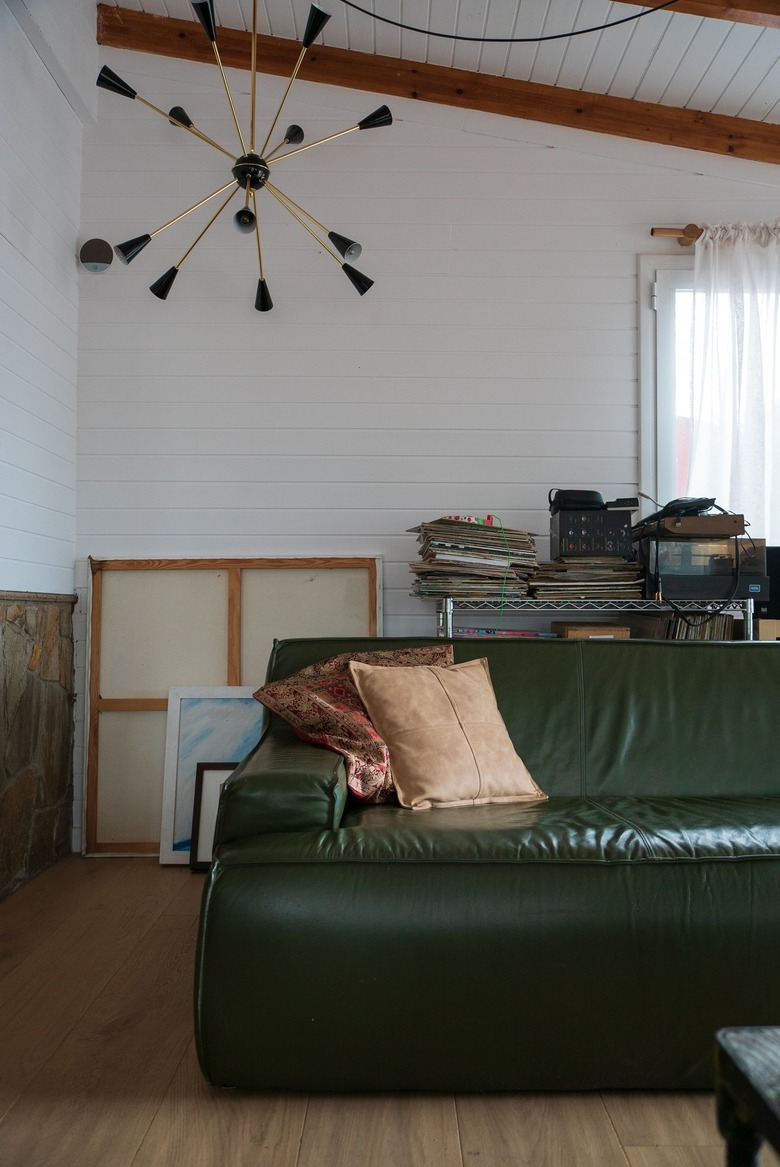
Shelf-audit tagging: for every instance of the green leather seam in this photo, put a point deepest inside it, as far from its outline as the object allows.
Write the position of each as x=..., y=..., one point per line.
x=518, y=862
x=624, y=819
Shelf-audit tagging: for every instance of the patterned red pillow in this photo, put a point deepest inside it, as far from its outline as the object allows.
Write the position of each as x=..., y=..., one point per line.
x=322, y=705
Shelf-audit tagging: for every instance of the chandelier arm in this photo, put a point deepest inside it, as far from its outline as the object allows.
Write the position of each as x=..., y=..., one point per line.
x=229, y=97
x=257, y=236
x=195, y=206
x=267, y=156
x=253, y=74
x=310, y=145
x=282, y=198
x=306, y=214
x=295, y=72
x=213, y=219
x=183, y=125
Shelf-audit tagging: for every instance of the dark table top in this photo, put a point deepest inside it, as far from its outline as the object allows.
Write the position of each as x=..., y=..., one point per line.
x=749, y=1068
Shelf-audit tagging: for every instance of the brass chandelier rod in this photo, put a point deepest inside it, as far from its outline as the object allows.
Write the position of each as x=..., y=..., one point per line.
x=295, y=72
x=204, y=10
x=253, y=81
x=212, y=220
x=289, y=207
x=358, y=280
x=263, y=301
x=108, y=79
x=311, y=145
x=194, y=207
x=162, y=286
x=129, y=250
x=185, y=125
x=314, y=26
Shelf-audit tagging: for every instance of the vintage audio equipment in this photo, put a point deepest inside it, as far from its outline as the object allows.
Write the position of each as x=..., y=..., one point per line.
x=582, y=525
x=704, y=569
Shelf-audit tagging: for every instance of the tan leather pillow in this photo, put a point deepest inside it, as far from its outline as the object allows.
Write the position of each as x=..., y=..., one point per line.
x=447, y=740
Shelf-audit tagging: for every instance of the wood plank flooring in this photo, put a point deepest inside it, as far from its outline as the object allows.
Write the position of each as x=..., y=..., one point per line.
x=98, y=1067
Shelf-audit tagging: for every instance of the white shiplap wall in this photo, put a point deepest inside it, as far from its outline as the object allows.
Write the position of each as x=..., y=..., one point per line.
x=495, y=357
x=40, y=185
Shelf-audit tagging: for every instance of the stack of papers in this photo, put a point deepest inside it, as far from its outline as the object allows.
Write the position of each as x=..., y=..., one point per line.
x=472, y=560
x=588, y=579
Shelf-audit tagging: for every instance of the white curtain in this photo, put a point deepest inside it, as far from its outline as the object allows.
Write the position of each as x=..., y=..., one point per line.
x=734, y=403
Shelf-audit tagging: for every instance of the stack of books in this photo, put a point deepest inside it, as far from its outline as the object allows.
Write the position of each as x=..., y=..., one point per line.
x=472, y=559
x=588, y=579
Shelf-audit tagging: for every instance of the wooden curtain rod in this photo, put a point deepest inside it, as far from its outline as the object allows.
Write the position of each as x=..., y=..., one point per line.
x=685, y=236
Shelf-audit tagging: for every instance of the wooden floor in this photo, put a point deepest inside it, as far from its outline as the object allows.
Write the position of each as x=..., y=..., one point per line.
x=98, y=1069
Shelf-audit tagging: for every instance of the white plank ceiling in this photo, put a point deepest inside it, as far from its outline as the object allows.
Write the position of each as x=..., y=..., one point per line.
x=663, y=56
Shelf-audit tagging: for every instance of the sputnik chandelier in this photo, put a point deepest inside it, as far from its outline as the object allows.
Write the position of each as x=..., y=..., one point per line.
x=251, y=170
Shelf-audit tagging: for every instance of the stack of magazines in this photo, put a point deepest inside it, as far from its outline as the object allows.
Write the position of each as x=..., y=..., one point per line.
x=469, y=558
x=588, y=579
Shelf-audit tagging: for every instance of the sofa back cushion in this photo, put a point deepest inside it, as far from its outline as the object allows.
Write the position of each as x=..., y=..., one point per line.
x=681, y=718
x=634, y=717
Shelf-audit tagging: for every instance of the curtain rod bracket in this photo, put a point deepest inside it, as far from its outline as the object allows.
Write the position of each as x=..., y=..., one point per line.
x=685, y=236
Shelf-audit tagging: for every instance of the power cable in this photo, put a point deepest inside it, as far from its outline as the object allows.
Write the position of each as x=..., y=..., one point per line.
x=508, y=40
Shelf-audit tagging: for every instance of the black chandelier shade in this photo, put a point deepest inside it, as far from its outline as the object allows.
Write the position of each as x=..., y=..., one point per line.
x=357, y=278
x=318, y=18
x=293, y=135
x=251, y=169
x=108, y=79
x=263, y=301
x=179, y=117
x=205, y=13
x=129, y=250
x=347, y=248
x=162, y=286
x=380, y=117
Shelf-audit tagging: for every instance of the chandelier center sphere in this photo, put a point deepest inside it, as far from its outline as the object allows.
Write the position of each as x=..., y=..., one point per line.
x=251, y=171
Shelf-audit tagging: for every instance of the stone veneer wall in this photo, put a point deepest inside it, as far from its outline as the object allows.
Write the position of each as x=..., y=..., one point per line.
x=36, y=734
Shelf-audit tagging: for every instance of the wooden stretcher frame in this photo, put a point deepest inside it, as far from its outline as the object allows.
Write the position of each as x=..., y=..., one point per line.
x=98, y=705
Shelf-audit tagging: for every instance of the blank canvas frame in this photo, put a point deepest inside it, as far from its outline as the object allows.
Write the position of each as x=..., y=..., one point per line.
x=159, y=624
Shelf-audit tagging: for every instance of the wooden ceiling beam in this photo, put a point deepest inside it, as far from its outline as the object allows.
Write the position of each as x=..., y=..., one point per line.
x=390, y=76
x=765, y=13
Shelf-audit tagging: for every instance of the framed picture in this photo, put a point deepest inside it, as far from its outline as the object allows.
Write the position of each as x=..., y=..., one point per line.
x=203, y=723
x=210, y=777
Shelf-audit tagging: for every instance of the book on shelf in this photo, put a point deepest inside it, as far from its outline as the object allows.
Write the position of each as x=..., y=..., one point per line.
x=692, y=627
x=501, y=633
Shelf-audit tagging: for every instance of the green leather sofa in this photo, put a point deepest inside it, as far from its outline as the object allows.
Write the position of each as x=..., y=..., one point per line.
x=597, y=940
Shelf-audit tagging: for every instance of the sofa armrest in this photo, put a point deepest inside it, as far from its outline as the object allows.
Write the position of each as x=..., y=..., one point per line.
x=283, y=785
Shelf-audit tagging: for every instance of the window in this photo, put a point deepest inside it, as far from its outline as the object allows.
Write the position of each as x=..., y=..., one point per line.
x=666, y=302
x=710, y=379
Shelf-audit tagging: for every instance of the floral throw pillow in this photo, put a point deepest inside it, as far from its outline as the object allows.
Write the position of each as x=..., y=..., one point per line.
x=322, y=705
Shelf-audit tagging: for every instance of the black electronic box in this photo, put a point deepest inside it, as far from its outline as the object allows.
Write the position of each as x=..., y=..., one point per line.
x=590, y=533
x=583, y=526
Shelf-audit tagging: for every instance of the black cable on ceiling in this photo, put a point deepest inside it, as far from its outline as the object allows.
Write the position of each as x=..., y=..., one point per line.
x=508, y=40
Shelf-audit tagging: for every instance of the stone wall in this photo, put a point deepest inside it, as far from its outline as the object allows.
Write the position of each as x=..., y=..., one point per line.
x=36, y=734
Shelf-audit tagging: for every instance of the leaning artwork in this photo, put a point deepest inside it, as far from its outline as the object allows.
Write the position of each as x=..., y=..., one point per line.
x=204, y=725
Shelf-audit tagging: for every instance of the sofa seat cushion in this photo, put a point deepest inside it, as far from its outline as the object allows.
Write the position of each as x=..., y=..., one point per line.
x=563, y=830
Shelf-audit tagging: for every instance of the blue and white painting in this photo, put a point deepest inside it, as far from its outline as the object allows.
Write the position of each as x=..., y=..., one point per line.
x=204, y=725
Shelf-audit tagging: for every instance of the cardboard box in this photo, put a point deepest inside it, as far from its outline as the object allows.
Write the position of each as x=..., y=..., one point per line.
x=766, y=630
x=582, y=631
